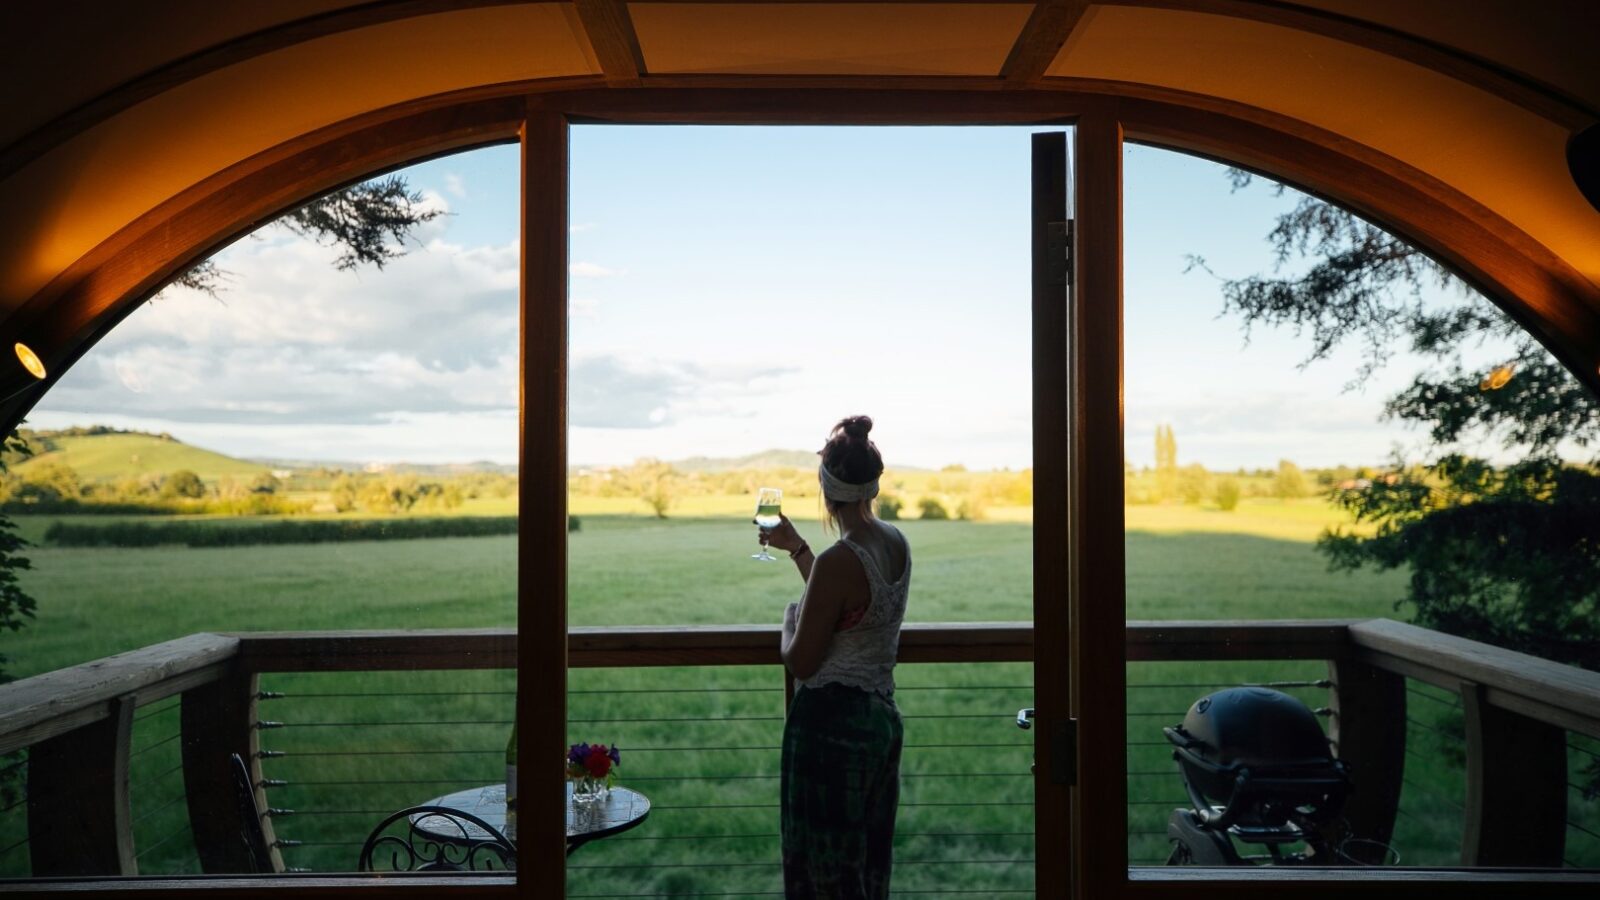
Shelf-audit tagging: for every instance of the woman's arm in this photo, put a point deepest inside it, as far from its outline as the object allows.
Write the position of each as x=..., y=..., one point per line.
x=804, y=560
x=808, y=625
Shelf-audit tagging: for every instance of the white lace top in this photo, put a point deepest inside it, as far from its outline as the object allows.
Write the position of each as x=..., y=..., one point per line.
x=863, y=655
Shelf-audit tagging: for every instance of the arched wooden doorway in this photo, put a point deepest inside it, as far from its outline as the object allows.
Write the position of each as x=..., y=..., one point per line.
x=1546, y=294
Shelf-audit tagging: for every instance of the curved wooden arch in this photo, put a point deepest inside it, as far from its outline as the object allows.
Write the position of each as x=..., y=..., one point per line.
x=1553, y=300
x=1535, y=96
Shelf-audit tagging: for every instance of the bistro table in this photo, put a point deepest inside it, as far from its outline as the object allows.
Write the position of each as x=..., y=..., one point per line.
x=622, y=809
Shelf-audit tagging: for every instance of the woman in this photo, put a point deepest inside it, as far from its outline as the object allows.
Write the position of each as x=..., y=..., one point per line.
x=842, y=737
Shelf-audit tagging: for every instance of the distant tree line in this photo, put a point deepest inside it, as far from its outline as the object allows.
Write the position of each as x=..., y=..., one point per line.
x=1194, y=484
x=49, y=486
x=660, y=487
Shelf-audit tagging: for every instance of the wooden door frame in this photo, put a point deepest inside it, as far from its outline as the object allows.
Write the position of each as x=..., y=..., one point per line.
x=542, y=487
x=1557, y=304
x=1096, y=567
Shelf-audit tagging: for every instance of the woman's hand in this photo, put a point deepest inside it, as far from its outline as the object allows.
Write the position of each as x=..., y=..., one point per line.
x=782, y=536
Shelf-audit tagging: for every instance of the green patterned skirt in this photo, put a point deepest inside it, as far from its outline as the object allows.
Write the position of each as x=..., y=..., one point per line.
x=841, y=787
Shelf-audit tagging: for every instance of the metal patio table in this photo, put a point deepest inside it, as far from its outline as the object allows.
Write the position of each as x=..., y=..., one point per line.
x=623, y=808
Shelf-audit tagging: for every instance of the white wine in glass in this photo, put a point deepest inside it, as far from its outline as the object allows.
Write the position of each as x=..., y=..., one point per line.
x=768, y=517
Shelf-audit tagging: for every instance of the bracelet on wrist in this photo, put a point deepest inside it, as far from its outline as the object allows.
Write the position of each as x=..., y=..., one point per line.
x=803, y=548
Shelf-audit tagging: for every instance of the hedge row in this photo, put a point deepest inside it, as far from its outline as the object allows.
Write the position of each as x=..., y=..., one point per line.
x=72, y=507
x=286, y=531
x=247, y=505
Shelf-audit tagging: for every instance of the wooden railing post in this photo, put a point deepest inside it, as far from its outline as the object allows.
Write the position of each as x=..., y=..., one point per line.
x=1516, y=786
x=218, y=720
x=1368, y=732
x=78, y=818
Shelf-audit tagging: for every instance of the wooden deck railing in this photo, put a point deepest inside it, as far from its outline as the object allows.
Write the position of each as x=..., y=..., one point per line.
x=77, y=721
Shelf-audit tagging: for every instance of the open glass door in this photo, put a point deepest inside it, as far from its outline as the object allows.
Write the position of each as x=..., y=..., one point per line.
x=1051, y=719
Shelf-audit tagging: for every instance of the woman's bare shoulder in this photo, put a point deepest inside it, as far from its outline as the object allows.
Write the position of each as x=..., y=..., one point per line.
x=837, y=555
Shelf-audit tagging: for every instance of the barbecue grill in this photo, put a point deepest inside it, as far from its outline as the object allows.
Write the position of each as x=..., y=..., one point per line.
x=1257, y=769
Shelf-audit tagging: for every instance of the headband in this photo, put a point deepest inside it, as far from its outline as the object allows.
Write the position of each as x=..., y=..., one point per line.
x=844, y=492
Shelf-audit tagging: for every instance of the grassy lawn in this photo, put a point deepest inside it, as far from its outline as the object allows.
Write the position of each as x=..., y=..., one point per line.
x=713, y=778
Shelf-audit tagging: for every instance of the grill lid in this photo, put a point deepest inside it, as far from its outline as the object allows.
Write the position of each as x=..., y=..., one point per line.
x=1257, y=727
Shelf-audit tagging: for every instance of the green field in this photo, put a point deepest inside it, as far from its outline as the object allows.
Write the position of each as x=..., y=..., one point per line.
x=701, y=741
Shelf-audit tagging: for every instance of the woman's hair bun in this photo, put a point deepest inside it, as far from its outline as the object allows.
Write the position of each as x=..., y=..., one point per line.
x=857, y=427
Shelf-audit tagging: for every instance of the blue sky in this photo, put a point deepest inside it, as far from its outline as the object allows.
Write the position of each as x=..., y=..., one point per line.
x=732, y=290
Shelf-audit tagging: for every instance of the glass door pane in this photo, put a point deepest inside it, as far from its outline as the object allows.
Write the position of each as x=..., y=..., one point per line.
x=1353, y=490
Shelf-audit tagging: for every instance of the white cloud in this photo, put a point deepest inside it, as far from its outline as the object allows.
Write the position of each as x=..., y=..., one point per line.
x=630, y=391
x=590, y=270
x=455, y=185
x=292, y=340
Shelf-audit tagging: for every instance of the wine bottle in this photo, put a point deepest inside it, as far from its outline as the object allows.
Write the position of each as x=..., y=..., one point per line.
x=511, y=782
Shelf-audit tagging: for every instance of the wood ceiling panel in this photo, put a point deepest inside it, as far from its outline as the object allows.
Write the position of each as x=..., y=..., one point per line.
x=97, y=182
x=828, y=38
x=1552, y=41
x=67, y=52
x=1500, y=154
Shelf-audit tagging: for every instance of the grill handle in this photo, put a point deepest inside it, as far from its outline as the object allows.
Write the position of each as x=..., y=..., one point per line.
x=1181, y=739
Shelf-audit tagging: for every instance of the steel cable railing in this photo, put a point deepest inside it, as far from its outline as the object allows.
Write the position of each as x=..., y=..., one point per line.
x=18, y=834
x=1432, y=812
x=1583, y=802
x=928, y=832
x=13, y=818
x=156, y=792
x=341, y=750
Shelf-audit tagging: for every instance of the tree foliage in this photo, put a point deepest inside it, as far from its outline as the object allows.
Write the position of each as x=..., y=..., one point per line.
x=369, y=222
x=1228, y=494
x=16, y=606
x=1505, y=554
x=1288, y=482
x=1509, y=555
x=1194, y=482
x=1166, y=463
x=183, y=483
x=1364, y=286
x=889, y=507
x=653, y=481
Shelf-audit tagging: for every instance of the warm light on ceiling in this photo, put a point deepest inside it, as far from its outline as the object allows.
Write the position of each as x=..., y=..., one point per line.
x=30, y=360
x=1497, y=379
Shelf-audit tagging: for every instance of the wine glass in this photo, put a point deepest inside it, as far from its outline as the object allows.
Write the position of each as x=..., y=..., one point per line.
x=768, y=516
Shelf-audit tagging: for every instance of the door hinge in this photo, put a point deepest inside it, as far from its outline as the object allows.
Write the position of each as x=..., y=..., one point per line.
x=1058, y=238
x=1064, y=753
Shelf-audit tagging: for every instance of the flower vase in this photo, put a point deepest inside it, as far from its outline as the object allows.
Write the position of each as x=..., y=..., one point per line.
x=589, y=791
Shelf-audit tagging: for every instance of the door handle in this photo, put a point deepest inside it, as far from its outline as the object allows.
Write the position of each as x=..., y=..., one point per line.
x=1064, y=768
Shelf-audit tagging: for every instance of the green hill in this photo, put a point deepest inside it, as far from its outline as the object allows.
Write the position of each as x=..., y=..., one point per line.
x=766, y=459
x=115, y=455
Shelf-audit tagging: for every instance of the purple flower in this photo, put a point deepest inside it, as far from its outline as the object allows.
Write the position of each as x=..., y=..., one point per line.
x=616, y=758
